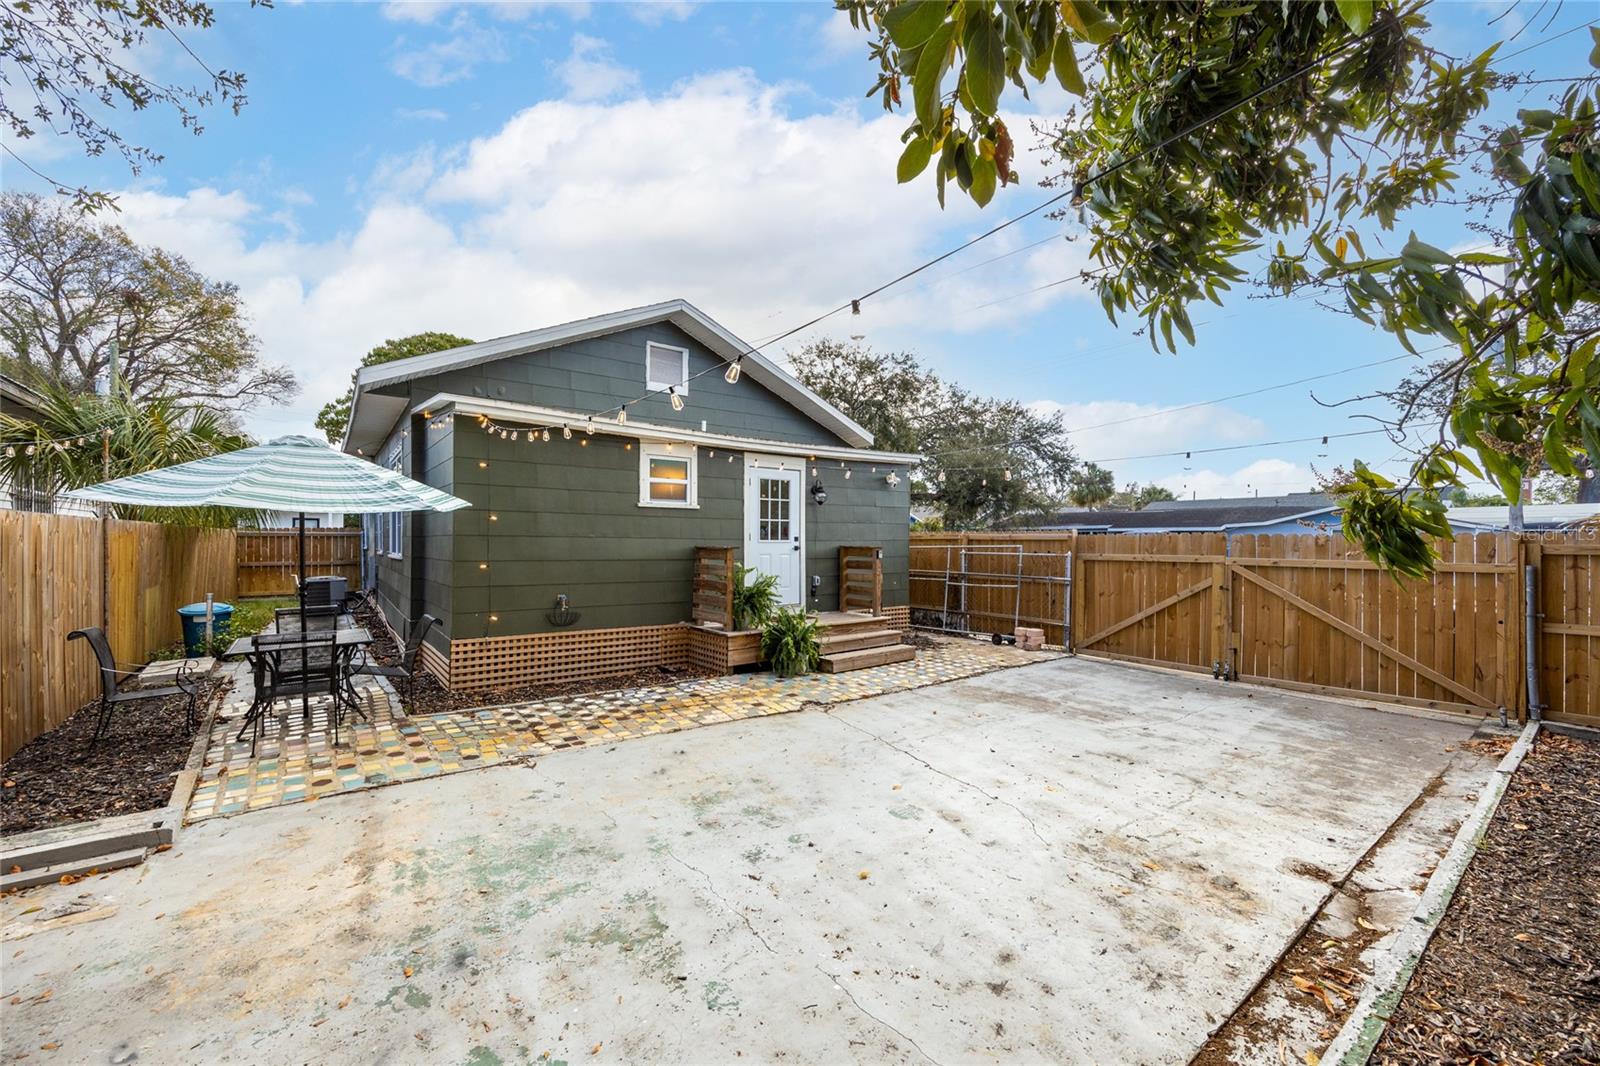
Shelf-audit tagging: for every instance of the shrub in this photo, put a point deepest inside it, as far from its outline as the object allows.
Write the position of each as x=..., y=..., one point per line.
x=789, y=642
x=753, y=601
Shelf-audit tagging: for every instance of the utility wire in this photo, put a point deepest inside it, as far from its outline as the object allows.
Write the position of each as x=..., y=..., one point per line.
x=1075, y=192
x=1239, y=447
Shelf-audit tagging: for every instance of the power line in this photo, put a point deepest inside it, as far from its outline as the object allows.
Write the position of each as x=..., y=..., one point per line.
x=1251, y=392
x=1325, y=437
x=1075, y=193
x=1546, y=40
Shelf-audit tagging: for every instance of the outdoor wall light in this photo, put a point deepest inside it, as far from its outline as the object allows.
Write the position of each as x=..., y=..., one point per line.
x=894, y=479
x=819, y=493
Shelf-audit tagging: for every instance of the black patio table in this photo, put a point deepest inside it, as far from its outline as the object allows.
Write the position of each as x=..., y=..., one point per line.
x=347, y=641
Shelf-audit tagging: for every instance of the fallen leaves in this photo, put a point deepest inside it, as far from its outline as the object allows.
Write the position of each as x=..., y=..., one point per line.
x=1363, y=923
x=596, y=1049
x=863, y=875
x=409, y=971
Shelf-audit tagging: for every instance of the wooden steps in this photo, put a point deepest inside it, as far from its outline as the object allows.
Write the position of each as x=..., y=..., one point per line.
x=845, y=661
x=833, y=641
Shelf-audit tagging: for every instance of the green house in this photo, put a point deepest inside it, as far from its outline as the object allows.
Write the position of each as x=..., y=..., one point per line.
x=607, y=460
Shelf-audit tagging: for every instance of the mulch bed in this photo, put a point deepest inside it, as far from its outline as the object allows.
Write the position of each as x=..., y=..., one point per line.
x=1513, y=974
x=431, y=697
x=55, y=779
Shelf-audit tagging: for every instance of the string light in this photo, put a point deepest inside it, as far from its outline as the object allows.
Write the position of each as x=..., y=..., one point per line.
x=677, y=401
x=483, y=566
x=566, y=432
x=732, y=376
x=622, y=414
x=545, y=435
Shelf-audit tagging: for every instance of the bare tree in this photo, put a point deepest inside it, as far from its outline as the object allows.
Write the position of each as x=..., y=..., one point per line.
x=70, y=287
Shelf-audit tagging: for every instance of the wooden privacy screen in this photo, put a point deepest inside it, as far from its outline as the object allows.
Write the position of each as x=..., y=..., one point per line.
x=1306, y=612
x=711, y=601
x=269, y=558
x=55, y=571
x=861, y=579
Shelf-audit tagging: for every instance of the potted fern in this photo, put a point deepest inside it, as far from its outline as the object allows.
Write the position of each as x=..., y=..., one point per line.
x=753, y=601
x=789, y=642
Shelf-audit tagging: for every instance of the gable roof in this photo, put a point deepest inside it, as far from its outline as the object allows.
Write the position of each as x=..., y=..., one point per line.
x=372, y=416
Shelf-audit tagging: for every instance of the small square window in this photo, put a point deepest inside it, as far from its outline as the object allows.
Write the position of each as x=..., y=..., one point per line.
x=667, y=475
x=666, y=367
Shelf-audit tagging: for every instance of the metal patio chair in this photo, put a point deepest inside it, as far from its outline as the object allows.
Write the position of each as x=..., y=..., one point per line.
x=114, y=674
x=291, y=664
x=406, y=670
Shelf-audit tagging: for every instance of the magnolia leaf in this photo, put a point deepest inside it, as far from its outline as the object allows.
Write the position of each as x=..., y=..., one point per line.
x=914, y=21
x=986, y=62
x=931, y=65
x=983, y=180
x=1357, y=14
x=914, y=160
x=1066, y=66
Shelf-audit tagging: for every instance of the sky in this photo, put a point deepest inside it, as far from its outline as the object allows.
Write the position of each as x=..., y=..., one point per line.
x=489, y=168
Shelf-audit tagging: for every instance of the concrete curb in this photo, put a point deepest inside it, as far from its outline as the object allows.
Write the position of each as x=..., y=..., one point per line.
x=45, y=854
x=1353, y=1044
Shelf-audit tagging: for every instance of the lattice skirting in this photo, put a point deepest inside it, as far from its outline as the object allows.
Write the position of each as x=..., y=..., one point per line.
x=537, y=658
x=898, y=618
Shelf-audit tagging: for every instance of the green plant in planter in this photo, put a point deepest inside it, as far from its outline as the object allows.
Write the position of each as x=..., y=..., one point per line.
x=753, y=601
x=789, y=642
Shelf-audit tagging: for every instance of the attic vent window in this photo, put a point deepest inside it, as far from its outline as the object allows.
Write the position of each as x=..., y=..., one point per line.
x=666, y=367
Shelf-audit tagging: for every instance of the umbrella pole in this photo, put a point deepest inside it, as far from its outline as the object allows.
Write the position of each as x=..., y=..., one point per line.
x=305, y=698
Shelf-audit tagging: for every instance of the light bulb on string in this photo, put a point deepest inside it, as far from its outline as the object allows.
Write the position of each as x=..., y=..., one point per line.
x=622, y=414
x=545, y=435
x=677, y=401
x=566, y=432
x=732, y=376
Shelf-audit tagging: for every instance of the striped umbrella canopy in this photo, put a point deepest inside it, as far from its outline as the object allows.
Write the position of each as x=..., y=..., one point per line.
x=288, y=474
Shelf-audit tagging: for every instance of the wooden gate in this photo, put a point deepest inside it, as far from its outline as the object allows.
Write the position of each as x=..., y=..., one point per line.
x=1567, y=577
x=1149, y=598
x=1312, y=613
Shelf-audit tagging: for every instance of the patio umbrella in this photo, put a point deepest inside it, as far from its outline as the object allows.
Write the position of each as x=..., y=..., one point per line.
x=290, y=474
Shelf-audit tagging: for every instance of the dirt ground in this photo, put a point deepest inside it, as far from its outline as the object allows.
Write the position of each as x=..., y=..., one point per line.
x=1513, y=973
x=1072, y=861
x=56, y=779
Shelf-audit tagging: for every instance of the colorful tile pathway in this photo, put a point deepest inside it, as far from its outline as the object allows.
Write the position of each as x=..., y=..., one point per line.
x=295, y=761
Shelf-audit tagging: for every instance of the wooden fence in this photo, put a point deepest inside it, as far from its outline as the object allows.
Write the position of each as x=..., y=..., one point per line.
x=711, y=598
x=64, y=572
x=269, y=558
x=1304, y=612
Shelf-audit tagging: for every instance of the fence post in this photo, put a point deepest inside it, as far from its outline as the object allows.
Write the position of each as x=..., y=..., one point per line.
x=1219, y=594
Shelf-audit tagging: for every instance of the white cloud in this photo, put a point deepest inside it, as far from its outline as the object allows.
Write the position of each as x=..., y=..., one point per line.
x=717, y=191
x=450, y=59
x=589, y=74
x=421, y=114
x=426, y=12
x=840, y=40
x=1264, y=477
x=1142, y=429
x=655, y=12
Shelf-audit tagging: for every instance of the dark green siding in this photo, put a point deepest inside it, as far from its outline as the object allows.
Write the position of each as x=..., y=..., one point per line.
x=567, y=518
x=598, y=374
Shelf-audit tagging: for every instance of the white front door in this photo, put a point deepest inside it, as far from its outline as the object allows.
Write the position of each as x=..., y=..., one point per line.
x=774, y=518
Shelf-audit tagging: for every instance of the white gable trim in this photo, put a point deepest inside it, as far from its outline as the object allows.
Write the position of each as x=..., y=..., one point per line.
x=681, y=313
x=554, y=417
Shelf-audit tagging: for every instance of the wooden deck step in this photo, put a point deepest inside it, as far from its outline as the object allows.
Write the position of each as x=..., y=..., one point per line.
x=845, y=661
x=833, y=641
x=848, y=622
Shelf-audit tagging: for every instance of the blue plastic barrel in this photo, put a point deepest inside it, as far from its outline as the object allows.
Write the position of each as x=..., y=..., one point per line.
x=194, y=625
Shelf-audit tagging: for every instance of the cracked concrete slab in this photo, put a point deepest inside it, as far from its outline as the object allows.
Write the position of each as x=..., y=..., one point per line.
x=1076, y=861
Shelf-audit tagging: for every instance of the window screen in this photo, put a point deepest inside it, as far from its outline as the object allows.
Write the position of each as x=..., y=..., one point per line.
x=665, y=367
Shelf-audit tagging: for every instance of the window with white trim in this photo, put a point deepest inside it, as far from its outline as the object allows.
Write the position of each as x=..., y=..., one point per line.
x=393, y=523
x=666, y=367
x=667, y=476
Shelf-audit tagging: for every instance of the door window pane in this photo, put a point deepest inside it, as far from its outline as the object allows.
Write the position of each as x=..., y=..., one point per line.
x=774, y=513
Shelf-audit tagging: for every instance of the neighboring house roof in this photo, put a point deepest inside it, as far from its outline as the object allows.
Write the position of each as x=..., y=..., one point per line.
x=1302, y=501
x=1534, y=515
x=1198, y=516
x=372, y=416
x=15, y=394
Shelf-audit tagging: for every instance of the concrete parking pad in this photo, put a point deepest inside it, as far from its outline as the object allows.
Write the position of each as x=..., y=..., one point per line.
x=1075, y=861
